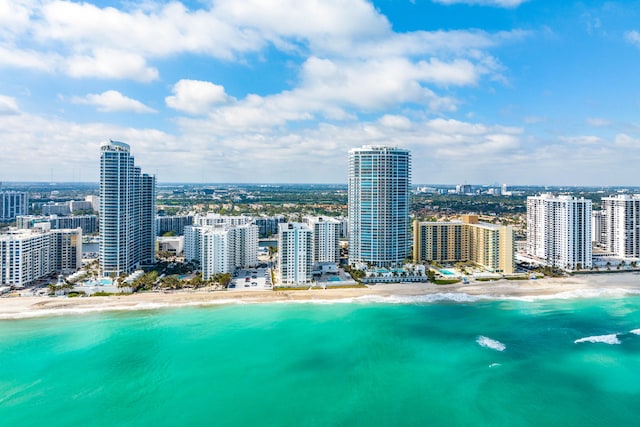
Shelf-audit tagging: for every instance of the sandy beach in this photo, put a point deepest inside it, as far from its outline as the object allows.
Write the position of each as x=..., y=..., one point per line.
x=581, y=286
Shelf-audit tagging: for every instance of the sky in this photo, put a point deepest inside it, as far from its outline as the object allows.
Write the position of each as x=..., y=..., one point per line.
x=523, y=92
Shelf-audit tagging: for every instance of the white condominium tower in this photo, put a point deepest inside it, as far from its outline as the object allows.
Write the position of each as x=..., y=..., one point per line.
x=379, y=223
x=295, y=253
x=621, y=225
x=127, y=211
x=221, y=248
x=559, y=230
x=326, y=235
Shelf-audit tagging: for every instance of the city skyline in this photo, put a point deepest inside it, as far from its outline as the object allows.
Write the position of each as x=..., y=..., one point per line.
x=526, y=92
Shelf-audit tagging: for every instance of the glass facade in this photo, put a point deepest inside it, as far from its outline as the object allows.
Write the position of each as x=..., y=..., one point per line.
x=379, y=188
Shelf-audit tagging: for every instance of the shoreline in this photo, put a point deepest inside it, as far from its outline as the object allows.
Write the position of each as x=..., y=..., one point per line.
x=583, y=286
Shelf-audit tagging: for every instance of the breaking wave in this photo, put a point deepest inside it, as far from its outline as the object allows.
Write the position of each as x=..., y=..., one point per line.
x=605, y=339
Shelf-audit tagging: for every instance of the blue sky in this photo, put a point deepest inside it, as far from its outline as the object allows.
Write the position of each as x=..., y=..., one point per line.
x=480, y=91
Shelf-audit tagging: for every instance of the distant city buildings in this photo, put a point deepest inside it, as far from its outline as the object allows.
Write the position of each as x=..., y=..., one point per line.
x=559, y=230
x=12, y=204
x=268, y=225
x=620, y=225
x=172, y=224
x=378, y=204
x=30, y=255
x=56, y=208
x=488, y=245
x=88, y=223
x=127, y=212
x=295, y=253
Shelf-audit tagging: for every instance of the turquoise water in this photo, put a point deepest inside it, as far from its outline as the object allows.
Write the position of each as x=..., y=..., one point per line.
x=327, y=365
x=335, y=279
x=447, y=272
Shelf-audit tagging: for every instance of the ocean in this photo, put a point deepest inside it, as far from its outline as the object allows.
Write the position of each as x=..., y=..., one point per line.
x=449, y=361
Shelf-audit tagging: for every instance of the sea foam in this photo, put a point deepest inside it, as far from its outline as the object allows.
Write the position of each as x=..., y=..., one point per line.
x=605, y=339
x=635, y=331
x=490, y=343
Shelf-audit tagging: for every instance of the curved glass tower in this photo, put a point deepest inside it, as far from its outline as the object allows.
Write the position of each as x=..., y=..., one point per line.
x=127, y=211
x=379, y=223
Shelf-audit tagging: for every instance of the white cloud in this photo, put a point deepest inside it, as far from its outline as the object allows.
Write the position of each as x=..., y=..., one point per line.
x=495, y=3
x=104, y=42
x=111, y=64
x=633, y=37
x=196, y=97
x=582, y=140
x=623, y=140
x=113, y=101
x=598, y=122
x=8, y=105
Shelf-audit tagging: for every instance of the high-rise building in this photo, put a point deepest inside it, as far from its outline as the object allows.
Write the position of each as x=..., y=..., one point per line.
x=295, y=259
x=222, y=247
x=597, y=227
x=29, y=255
x=559, y=230
x=621, y=225
x=488, y=245
x=127, y=211
x=325, y=243
x=12, y=204
x=379, y=223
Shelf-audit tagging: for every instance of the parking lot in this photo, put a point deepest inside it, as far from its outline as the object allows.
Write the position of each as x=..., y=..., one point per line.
x=256, y=279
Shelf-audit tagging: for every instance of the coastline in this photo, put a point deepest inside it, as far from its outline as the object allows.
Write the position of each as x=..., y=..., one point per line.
x=582, y=286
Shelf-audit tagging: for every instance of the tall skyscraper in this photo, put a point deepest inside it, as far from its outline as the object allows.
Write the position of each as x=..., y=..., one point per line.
x=379, y=223
x=621, y=225
x=295, y=257
x=559, y=230
x=127, y=211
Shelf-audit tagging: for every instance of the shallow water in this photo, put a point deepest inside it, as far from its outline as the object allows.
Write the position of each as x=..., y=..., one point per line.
x=554, y=362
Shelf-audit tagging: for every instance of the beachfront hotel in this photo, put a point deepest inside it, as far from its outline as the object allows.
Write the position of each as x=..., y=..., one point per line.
x=127, y=212
x=378, y=192
x=620, y=225
x=29, y=255
x=559, y=230
x=488, y=245
x=295, y=253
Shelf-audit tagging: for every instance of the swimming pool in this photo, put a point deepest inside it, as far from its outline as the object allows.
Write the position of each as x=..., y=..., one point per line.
x=334, y=279
x=447, y=272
